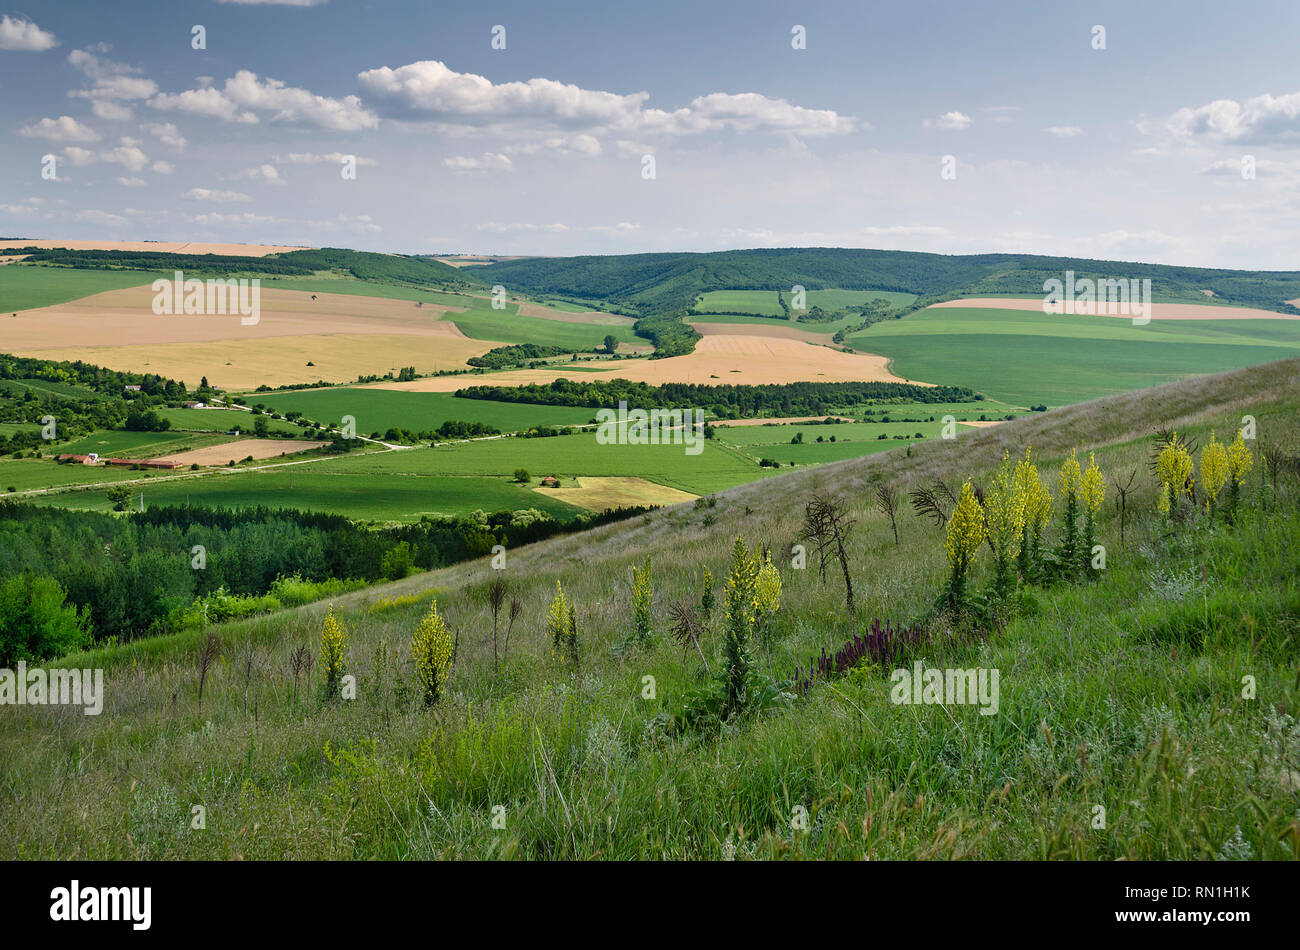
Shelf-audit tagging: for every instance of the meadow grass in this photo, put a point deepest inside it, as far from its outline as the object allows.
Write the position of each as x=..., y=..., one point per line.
x=1124, y=691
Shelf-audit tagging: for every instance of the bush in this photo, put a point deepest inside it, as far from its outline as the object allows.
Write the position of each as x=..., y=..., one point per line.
x=396, y=562
x=35, y=623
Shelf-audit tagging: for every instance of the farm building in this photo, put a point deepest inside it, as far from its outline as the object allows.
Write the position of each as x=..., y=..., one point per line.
x=146, y=463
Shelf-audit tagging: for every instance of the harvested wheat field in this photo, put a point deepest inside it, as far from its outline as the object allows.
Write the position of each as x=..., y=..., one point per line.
x=239, y=450
x=597, y=493
x=162, y=247
x=1159, y=311
x=775, y=329
x=718, y=360
x=345, y=337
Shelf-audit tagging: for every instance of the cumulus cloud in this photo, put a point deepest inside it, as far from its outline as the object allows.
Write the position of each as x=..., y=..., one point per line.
x=102, y=218
x=63, y=129
x=168, y=134
x=1264, y=120
x=318, y=158
x=131, y=182
x=163, y=168
x=949, y=120
x=19, y=34
x=579, y=144
x=431, y=89
x=215, y=194
x=265, y=172
x=1063, y=131
x=488, y=161
x=126, y=153
x=246, y=98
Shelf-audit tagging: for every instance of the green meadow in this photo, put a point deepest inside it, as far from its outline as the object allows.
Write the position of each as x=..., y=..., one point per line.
x=371, y=496
x=24, y=287
x=121, y=444
x=715, y=468
x=765, y=302
x=378, y=409
x=1027, y=358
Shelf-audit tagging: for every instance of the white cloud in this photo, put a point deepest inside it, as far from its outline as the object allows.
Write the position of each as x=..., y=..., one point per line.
x=1063, y=131
x=316, y=158
x=430, y=88
x=489, y=160
x=246, y=98
x=168, y=134
x=18, y=34
x=264, y=173
x=63, y=129
x=246, y=219
x=580, y=144
x=623, y=227
x=1264, y=120
x=127, y=155
x=131, y=182
x=949, y=120
x=103, y=218
x=215, y=194
x=111, y=111
x=162, y=167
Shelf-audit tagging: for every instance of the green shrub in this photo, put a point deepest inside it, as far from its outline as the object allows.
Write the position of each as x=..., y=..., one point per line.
x=35, y=623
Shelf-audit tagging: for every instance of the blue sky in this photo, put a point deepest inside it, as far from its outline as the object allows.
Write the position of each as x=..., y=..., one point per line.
x=1132, y=152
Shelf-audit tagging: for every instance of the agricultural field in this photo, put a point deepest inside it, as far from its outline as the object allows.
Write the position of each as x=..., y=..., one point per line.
x=120, y=444
x=26, y=287
x=765, y=302
x=376, y=410
x=715, y=468
x=1017, y=356
x=369, y=496
x=224, y=420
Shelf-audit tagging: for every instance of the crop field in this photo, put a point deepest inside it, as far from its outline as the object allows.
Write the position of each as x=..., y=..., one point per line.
x=223, y=420
x=765, y=302
x=509, y=326
x=27, y=474
x=370, y=496
x=25, y=287
x=1026, y=358
x=375, y=410
x=715, y=468
x=121, y=444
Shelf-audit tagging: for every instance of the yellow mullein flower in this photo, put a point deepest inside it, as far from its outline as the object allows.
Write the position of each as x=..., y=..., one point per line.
x=1093, y=488
x=1214, y=470
x=558, y=618
x=1071, y=478
x=1240, y=461
x=333, y=644
x=431, y=649
x=642, y=595
x=1006, y=511
x=767, y=590
x=965, y=529
x=1173, y=468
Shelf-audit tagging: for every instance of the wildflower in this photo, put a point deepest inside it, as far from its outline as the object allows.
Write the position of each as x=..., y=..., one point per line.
x=642, y=595
x=333, y=645
x=1214, y=470
x=1005, y=514
x=966, y=532
x=1092, y=493
x=431, y=650
x=738, y=597
x=1173, y=468
x=558, y=618
x=1239, y=465
x=767, y=591
x=1038, y=512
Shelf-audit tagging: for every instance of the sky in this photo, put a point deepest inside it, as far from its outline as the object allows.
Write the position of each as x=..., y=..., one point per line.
x=1162, y=131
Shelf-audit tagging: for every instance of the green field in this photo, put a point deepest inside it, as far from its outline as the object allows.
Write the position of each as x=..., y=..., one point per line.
x=828, y=327
x=507, y=326
x=223, y=420
x=1027, y=358
x=715, y=468
x=121, y=444
x=26, y=474
x=765, y=302
x=373, y=497
x=378, y=409
x=23, y=287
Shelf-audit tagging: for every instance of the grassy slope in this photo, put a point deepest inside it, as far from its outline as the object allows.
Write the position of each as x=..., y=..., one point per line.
x=1109, y=695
